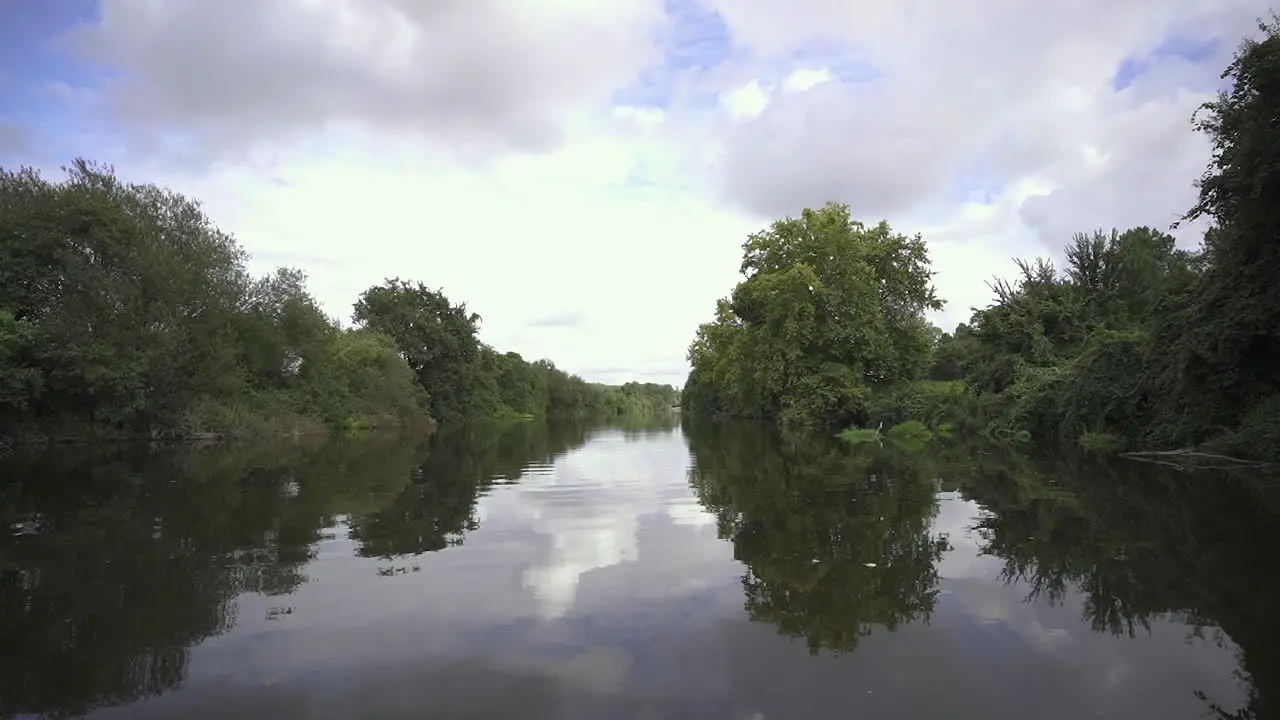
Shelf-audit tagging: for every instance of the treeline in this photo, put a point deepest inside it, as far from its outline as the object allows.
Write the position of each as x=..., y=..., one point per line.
x=1135, y=342
x=124, y=311
x=466, y=379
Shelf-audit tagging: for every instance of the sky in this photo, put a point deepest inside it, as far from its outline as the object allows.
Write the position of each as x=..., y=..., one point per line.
x=583, y=173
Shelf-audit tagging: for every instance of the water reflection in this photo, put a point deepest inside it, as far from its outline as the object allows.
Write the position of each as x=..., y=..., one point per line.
x=837, y=543
x=1143, y=545
x=588, y=512
x=117, y=561
x=562, y=570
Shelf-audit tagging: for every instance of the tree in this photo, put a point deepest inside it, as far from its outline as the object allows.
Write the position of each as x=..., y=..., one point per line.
x=828, y=308
x=281, y=329
x=437, y=339
x=1220, y=359
x=122, y=298
x=358, y=377
x=125, y=310
x=1121, y=277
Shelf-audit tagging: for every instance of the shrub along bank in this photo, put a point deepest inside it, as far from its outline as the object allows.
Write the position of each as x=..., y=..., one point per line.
x=1133, y=343
x=125, y=312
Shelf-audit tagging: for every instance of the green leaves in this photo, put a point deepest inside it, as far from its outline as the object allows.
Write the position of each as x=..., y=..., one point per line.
x=124, y=292
x=124, y=309
x=437, y=339
x=828, y=306
x=1141, y=339
x=1136, y=338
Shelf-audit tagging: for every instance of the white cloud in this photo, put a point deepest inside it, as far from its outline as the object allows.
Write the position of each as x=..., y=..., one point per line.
x=805, y=78
x=503, y=152
x=956, y=519
x=482, y=73
x=524, y=239
x=936, y=100
x=747, y=101
x=590, y=510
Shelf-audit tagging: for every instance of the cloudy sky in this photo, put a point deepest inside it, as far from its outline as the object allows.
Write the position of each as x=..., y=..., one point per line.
x=582, y=173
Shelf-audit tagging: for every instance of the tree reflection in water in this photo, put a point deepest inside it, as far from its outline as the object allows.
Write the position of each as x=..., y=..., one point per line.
x=807, y=516
x=115, y=562
x=835, y=543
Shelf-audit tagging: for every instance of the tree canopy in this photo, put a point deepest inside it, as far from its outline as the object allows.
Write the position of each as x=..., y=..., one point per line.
x=1135, y=338
x=125, y=311
x=828, y=308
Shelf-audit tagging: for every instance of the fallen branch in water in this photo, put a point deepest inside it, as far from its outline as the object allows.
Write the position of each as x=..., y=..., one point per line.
x=1194, y=459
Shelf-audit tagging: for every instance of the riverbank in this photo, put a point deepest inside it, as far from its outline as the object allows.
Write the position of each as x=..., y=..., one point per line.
x=1132, y=341
x=272, y=427
x=125, y=313
x=240, y=428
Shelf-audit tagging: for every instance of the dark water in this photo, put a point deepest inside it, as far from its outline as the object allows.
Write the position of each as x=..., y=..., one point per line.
x=562, y=571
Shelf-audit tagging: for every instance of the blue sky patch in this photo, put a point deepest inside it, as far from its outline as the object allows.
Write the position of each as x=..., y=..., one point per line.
x=975, y=180
x=846, y=63
x=35, y=71
x=699, y=37
x=697, y=40
x=1180, y=47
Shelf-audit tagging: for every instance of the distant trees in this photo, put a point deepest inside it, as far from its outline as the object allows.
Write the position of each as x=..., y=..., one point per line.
x=466, y=379
x=1136, y=339
x=125, y=311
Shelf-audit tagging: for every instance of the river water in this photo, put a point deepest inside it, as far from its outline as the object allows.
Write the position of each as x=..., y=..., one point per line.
x=540, y=570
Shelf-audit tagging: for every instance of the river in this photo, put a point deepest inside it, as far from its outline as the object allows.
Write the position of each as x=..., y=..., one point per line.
x=562, y=570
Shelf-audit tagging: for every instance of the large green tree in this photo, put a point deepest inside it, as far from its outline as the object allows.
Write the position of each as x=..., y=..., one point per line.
x=437, y=338
x=1221, y=346
x=124, y=309
x=118, y=299
x=828, y=308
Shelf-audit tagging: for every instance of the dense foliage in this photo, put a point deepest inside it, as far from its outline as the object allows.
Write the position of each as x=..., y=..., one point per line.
x=828, y=309
x=1135, y=339
x=467, y=379
x=125, y=311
